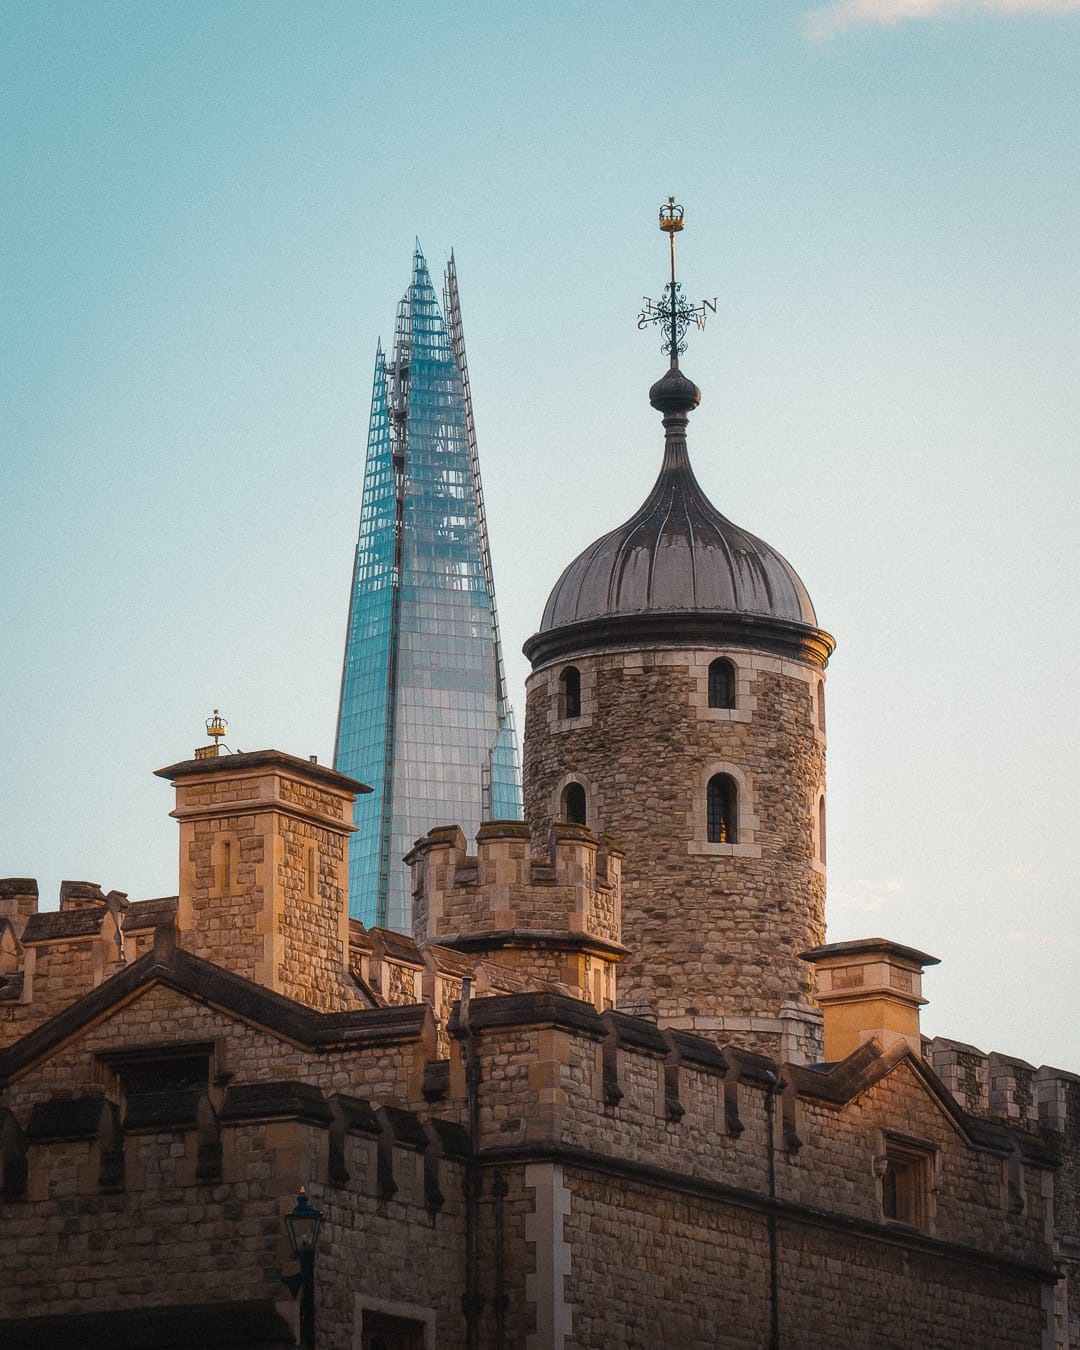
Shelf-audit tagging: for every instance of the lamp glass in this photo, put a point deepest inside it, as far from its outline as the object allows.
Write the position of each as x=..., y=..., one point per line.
x=303, y=1225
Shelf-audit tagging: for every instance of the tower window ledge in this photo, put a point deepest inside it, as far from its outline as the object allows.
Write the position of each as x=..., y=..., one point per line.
x=697, y=847
x=571, y=723
x=726, y=714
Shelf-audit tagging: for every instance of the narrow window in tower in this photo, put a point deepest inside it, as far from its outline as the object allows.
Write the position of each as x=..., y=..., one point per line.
x=821, y=828
x=574, y=805
x=821, y=705
x=721, y=684
x=570, y=692
x=720, y=807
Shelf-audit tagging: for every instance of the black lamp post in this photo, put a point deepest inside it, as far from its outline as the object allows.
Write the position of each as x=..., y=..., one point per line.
x=303, y=1226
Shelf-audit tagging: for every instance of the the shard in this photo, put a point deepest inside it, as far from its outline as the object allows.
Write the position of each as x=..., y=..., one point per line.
x=424, y=718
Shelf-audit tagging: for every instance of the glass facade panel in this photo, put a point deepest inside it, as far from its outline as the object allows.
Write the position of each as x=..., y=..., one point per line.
x=424, y=718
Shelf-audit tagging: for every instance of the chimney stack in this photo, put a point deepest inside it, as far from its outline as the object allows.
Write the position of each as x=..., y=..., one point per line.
x=869, y=988
x=264, y=870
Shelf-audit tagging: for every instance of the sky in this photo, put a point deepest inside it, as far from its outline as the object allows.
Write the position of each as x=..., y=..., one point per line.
x=209, y=216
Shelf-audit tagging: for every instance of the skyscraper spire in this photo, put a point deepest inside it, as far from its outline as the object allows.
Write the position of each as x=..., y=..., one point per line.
x=424, y=717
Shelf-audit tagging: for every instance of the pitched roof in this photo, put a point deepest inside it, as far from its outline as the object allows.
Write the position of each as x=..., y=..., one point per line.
x=241, y=998
x=838, y=1083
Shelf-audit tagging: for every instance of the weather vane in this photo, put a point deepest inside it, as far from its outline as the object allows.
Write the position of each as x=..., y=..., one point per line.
x=673, y=311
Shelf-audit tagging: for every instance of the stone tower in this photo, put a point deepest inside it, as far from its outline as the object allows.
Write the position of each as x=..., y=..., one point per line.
x=676, y=703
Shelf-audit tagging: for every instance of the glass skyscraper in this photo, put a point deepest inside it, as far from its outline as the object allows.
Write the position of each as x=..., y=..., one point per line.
x=424, y=718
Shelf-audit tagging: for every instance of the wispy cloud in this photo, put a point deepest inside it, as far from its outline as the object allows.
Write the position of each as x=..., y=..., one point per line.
x=843, y=14
x=866, y=897
x=1024, y=937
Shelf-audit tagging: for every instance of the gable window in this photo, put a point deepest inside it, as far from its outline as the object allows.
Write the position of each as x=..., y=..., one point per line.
x=161, y=1084
x=575, y=808
x=570, y=692
x=721, y=684
x=721, y=804
x=905, y=1183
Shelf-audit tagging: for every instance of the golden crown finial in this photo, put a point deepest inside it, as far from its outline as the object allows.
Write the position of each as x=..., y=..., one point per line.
x=671, y=217
x=216, y=727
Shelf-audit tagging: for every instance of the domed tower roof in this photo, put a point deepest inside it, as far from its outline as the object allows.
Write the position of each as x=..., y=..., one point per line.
x=679, y=571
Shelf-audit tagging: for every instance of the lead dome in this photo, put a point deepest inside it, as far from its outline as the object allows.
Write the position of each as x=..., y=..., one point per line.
x=678, y=568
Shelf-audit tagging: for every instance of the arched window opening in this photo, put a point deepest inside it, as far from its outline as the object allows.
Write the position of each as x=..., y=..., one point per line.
x=821, y=828
x=720, y=807
x=570, y=692
x=821, y=705
x=721, y=684
x=574, y=804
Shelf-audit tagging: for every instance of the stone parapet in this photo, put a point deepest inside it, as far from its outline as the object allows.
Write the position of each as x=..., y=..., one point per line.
x=50, y=958
x=553, y=912
x=18, y=900
x=1002, y=1087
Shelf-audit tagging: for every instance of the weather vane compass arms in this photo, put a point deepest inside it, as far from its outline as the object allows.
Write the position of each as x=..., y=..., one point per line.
x=673, y=312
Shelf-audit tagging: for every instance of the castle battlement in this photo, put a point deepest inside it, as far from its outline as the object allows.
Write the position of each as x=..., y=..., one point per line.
x=555, y=905
x=571, y=883
x=1002, y=1087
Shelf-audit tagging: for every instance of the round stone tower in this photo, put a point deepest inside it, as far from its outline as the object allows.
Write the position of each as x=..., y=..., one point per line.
x=676, y=702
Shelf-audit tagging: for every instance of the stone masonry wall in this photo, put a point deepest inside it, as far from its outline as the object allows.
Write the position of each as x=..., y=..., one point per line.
x=657, y=1205
x=701, y=1121
x=61, y=972
x=715, y=930
x=1001, y=1087
x=310, y=865
x=164, y=1237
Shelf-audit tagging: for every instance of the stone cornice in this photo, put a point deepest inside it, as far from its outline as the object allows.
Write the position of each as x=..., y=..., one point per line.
x=682, y=628
x=197, y=770
x=533, y=937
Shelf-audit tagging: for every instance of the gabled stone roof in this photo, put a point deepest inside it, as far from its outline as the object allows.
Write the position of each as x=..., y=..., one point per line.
x=841, y=1082
x=167, y=964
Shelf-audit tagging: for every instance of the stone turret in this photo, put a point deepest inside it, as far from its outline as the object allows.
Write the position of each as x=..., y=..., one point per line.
x=554, y=916
x=676, y=701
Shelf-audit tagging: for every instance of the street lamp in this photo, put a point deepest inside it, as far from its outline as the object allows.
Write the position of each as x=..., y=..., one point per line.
x=303, y=1226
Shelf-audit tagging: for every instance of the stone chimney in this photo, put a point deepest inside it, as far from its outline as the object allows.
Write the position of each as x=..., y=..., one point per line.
x=264, y=871
x=869, y=988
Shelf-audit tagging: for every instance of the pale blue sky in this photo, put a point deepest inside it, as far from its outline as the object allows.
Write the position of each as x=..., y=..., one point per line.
x=209, y=217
